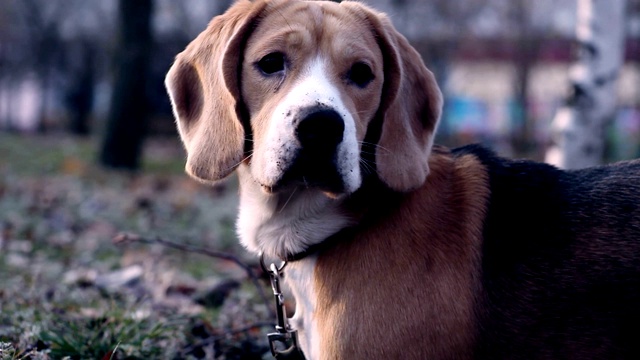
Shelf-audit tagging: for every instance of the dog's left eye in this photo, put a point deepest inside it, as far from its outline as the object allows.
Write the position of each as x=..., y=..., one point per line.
x=360, y=74
x=271, y=63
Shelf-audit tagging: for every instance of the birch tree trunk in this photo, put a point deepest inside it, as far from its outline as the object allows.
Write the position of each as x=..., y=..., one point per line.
x=578, y=126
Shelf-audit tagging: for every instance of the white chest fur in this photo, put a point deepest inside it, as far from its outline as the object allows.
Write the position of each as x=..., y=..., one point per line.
x=284, y=224
x=299, y=278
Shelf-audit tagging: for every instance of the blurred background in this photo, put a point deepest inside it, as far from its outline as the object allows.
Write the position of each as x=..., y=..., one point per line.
x=68, y=67
x=88, y=149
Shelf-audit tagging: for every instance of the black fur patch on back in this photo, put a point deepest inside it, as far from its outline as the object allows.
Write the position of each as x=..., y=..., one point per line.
x=560, y=261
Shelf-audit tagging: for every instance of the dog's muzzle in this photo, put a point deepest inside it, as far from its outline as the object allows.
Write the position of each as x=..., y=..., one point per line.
x=319, y=133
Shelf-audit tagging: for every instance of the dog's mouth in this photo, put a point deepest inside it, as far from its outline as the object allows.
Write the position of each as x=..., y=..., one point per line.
x=311, y=170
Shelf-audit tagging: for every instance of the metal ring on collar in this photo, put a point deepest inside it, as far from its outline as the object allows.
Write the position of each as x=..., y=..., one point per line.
x=268, y=269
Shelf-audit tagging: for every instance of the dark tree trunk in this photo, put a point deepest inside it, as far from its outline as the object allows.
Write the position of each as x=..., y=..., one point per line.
x=81, y=94
x=527, y=48
x=127, y=120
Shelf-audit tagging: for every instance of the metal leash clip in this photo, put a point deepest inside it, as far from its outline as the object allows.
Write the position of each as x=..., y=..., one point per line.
x=284, y=342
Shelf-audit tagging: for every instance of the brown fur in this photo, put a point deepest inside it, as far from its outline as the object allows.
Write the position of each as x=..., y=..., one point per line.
x=411, y=106
x=415, y=263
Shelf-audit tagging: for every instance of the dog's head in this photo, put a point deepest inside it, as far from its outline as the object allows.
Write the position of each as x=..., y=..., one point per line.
x=304, y=92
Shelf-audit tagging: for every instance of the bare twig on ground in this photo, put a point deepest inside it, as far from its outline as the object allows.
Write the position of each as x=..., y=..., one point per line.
x=212, y=339
x=125, y=238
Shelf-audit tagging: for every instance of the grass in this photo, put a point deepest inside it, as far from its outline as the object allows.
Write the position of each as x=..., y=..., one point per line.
x=58, y=214
x=113, y=328
x=115, y=332
x=38, y=155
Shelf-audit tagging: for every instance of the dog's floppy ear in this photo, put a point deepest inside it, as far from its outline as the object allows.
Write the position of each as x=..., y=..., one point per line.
x=410, y=108
x=204, y=92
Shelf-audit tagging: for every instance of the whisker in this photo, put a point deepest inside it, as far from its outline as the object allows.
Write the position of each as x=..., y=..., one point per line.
x=289, y=199
x=367, y=166
x=377, y=146
x=240, y=162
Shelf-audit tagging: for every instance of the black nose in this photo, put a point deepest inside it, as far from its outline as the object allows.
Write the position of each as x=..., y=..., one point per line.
x=320, y=129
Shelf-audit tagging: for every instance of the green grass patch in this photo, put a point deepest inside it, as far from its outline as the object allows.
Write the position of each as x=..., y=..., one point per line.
x=38, y=155
x=102, y=337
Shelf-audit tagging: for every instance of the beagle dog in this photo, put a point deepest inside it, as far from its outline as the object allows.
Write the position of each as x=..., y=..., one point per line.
x=399, y=249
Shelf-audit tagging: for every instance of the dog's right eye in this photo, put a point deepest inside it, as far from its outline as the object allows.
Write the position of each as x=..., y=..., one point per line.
x=271, y=63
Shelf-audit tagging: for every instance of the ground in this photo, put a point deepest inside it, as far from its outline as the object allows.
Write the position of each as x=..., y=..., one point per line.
x=67, y=291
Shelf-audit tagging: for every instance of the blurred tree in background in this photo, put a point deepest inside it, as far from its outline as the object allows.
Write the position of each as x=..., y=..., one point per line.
x=79, y=97
x=67, y=66
x=129, y=112
x=528, y=44
x=52, y=60
x=43, y=21
x=579, y=126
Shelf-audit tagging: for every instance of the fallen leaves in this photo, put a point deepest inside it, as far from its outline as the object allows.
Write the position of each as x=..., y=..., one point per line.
x=60, y=272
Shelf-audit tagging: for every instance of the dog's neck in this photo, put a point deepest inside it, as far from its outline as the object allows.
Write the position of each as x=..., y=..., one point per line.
x=285, y=224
